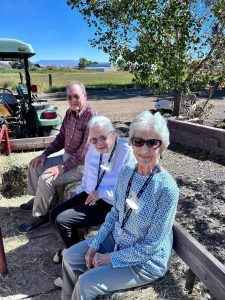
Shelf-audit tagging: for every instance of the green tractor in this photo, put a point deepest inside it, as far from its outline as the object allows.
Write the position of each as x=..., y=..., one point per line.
x=24, y=113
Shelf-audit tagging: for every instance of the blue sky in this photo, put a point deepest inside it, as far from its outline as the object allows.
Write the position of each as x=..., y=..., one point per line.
x=51, y=27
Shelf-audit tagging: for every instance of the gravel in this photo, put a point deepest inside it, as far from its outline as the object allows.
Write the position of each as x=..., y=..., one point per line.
x=201, y=208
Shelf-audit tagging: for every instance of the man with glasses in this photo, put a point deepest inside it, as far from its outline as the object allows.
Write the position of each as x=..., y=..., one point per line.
x=46, y=173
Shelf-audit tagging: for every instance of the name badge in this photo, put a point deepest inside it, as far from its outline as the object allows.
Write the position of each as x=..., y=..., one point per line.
x=132, y=202
x=106, y=166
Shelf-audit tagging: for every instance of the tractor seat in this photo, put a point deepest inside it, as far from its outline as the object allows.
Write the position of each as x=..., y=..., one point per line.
x=22, y=91
x=10, y=101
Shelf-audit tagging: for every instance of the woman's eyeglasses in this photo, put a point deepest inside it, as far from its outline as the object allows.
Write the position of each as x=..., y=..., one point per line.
x=152, y=143
x=101, y=139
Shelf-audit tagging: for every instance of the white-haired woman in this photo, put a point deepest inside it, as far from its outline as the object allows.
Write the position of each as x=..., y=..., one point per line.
x=94, y=197
x=134, y=245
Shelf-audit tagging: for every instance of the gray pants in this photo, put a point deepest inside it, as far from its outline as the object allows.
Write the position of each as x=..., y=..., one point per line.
x=82, y=283
x=43, y=187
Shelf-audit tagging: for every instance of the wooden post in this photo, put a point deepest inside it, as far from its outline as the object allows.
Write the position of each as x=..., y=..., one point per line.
x=190, y=281
x=4, y=133
x=3, y=264
x=50, y=80
x=21, y=77
x=177, y=101
x=28, y=81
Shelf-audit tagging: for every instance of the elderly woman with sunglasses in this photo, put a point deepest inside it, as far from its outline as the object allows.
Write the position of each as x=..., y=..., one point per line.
x=134, y=245
x=94, y=197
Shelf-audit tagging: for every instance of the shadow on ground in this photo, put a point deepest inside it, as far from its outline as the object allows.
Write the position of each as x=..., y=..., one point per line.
x=104, y=94
x=197, y=154
x=111, y=94
x=31, y=269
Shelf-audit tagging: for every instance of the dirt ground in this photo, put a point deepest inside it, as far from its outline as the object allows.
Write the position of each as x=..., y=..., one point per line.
x=201, y=210
x=123, y=106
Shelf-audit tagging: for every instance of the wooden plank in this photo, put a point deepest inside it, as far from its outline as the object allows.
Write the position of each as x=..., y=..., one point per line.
x=28, y=143
x=204, y=265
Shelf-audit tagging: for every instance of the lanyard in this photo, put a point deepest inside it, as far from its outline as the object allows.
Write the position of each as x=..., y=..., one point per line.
x=99, y=178
x=138, y=194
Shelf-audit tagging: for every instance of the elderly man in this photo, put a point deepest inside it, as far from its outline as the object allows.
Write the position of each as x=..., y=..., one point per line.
x=46, y=173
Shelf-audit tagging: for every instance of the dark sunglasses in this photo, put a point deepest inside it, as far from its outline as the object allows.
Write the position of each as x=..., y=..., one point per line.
x=102, y=138
x=152, y=143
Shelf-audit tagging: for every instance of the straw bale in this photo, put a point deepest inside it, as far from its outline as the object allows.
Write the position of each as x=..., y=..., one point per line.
x=13, y=173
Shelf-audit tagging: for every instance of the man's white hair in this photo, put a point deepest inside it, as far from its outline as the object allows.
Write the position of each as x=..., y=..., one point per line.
x=80, y=84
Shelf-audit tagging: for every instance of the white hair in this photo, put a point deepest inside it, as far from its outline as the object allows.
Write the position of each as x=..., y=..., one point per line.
x=101, y=121
x=146, y=121
x=80, y=84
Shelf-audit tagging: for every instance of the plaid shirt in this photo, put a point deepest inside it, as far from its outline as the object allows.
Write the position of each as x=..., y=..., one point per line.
x=73, y=137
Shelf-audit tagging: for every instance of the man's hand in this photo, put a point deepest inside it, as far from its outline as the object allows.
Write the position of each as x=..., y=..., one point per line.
x=89, y=256
x=37, y=160
x=92, y=198
x=54, y=171
x=101, y=259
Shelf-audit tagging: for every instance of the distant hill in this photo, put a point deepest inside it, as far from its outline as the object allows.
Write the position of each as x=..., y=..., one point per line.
x=58, y=63
x=4, y=65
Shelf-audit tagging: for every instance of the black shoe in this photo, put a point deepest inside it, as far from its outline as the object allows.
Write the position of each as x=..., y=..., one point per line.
x=34, y=224
x=27, y=206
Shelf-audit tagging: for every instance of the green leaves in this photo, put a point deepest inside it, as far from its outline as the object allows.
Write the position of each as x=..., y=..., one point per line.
x=169, y=42
x=83, y=63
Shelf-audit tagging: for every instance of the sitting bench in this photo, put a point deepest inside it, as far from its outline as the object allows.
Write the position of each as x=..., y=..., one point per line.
x=201, y=263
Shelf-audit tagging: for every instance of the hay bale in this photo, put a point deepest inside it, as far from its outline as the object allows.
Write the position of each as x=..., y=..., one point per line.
x=13, y=176
x=14, y=182
x=13, y=173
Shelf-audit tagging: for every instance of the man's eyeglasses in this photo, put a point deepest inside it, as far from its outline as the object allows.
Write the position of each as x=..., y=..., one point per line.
x=152, y=143
x=74, y=97
x=101, y=139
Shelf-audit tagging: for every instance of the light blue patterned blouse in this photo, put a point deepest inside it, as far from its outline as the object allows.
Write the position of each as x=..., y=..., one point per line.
x=146, y=238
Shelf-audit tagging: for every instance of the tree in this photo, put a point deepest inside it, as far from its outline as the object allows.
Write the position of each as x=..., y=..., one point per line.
x=83, y=63
x=19, y=64
x=160, y=39
x=121, y=64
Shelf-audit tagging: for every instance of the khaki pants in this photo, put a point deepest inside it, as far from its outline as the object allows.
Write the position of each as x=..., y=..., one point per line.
x=43, y=187
x=79, y=283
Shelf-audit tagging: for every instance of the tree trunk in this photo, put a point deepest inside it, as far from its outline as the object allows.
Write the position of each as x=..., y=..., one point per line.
x=177, y=100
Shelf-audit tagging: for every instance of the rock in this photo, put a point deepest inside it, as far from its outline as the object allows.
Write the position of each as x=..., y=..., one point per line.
x=196, y=120
x=181, y=118
x=221, y=124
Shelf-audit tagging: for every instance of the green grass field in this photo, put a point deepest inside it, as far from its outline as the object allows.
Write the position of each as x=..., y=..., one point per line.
x=92, y=80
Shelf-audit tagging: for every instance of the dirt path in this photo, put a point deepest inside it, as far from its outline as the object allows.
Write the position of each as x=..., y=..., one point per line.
x=122, y=106
x=118, y=106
